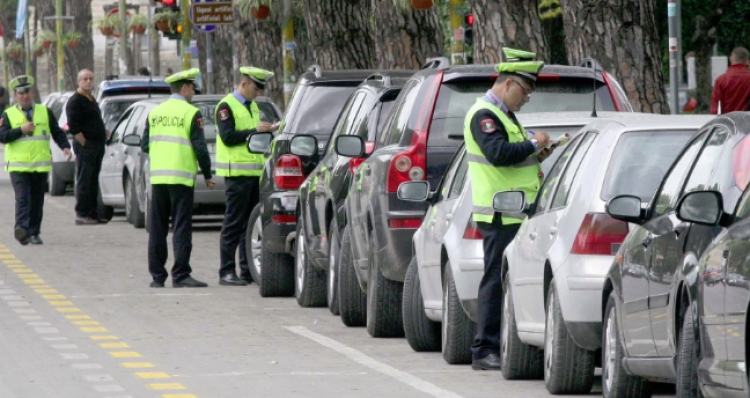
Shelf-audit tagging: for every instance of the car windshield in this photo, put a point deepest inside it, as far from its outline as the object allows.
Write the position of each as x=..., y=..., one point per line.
x=113, y=110
x=640, y=161
x=319, y=110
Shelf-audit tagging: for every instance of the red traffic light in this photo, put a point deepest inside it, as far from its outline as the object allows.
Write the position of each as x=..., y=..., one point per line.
x=168, y=3
x=469, y=19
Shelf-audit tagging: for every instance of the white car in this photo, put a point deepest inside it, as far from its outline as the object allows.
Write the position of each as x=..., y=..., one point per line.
x=556, y=265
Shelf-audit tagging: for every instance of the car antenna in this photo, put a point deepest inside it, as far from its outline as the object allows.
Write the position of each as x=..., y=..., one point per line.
x=593, y=110
x=150, y=81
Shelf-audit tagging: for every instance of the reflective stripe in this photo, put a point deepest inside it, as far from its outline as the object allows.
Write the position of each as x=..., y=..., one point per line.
x=478, y=159
x=488, y=211
x=530, y=161
x=168, y=138
x=171, y=173
x=239, y=166
x=34, y=138
x=29, y=165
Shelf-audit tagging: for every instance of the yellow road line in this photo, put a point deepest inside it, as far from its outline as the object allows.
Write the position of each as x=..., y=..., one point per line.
x=54, y=296
x=68, y=309
x=46, y=290
x=166, y=386
x=60, y=303
x=114, y=345
x=84, y=323
x=103, y=337
x=125, y=354
x=77, y=316
x=97, y=329
x=32, y=281
x=152, y=375
x=135, y=365
x=179, y=396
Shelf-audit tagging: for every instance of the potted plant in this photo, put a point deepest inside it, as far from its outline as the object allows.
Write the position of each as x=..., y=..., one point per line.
x=138, y=23
x=165, y=20
x=259, y=9
x=46, y=38
x=14, y=50
x=422, y=4
x=38, y=49
x=106, y=25
x=71, y=39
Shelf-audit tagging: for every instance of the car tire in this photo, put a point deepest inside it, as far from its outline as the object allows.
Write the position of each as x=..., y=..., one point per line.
x=568, y=368
x=104, y=213
x=334, y=250
x=458, y=330
x=519, y=360
x=687, y=360
x=57, y=186
x=384, y=298
x=309, y=282
x=422, y=334
x=277, y=273
x=352, y=300
x=616, y=382
x=253, y=242
x=135, y=216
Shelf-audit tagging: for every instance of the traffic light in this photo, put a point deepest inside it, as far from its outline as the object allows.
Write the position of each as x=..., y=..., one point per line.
x=167, y=3
x=469, y=29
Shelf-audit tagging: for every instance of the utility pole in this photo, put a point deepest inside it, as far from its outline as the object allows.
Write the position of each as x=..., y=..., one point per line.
x=673, y=46
x=458, y=54
x=27, y=43
x=123, y=37
x=5, y=63
x=59, y=45
x=289, y=47
x=209, y=62
x=186, y=29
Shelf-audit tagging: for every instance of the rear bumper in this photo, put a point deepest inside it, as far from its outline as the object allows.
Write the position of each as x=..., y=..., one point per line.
x=276, y=236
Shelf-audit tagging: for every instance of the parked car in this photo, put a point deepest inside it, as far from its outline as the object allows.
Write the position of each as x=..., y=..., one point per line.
x=417, y=143
x=645, y=318
x=113, y=107
x=313, y=110
x=129, y=85
x=63, y=170
x=442, y=280
x=124, y=181
x=321, y=216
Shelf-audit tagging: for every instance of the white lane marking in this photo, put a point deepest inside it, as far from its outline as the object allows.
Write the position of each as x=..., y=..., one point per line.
x=18, y=303
x=73, y=355
x=7, y=291
x=11, y=298
x=112, y=388
x=56, y=338
x=87, y=366
x=96, y=378
x=24, y=311
x=362, y=359
x=299, y=373
x=143, y=295
x=30, y=317
x=65, y=346
x=46, y=330
x=39, y=323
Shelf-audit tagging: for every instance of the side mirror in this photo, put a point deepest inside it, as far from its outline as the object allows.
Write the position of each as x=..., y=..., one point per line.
x=625, y=208
x=259, y=142
x=132, y=140
x=701, y=207
x=303, y=145
x=509, y=202
x=352, y=146
x=414, y=191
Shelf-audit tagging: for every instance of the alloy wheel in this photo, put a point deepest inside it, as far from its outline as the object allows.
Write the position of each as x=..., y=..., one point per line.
x=610, y=351
x=299, y=260
x=128, y=193
x=505, y=319
x=256, y=241
x=333, y=242
x=548, y=337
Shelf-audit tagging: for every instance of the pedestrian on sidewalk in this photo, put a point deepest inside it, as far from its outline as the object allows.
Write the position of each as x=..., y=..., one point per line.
x=26, y=128
x=732, y=89
x=176, y=146
x=90, y=135
x=238, y=117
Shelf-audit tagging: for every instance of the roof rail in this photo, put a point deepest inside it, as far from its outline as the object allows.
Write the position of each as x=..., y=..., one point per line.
x=437, y=63
x=315, y=68
x=591, y=63
x=386, y=80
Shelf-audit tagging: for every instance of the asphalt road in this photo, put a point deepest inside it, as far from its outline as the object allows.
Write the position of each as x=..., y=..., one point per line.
x=78, y=320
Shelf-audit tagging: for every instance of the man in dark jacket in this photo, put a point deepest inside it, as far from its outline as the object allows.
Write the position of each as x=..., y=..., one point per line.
x=86, y=124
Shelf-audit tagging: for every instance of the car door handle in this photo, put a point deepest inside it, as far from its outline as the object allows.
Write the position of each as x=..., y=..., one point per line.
x=532, y=235
x=647, y=242
x=553, y=230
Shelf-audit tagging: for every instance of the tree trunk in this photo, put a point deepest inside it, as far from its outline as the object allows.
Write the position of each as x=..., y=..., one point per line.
x=223, y=72
x=403, y=36
x=622, y=36
x=260, y=45
x=510, y=23
x=339, y=33
x=704, y=38
x=83, y=56
x=8, y=20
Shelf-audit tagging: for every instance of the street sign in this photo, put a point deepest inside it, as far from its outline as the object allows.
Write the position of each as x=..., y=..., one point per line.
x=206, y=14
x=459, y=34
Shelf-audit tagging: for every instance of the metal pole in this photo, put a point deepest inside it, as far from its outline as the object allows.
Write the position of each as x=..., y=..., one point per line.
x=235, y=59
x=149, y=30
x=680, y=58
x=122, y=11
x=186, y=29
x=673, y=83
x=455, y=8
x=209, y=63
x=59, y=45
x=27, y=43
x=289, y=47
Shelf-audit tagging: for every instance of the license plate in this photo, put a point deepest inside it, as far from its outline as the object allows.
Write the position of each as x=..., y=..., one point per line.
x=211, y=148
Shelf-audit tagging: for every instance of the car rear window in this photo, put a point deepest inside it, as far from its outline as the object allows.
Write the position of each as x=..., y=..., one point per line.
x=640, y=161
x=568, y=95
x=319, y=110
x=113, y=92
x=453, y=103
x=554, y=133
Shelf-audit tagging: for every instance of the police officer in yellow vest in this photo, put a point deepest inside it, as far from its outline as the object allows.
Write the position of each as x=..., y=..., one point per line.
x=502, y=156
x=176, y=146
x=26, y=129
x=238, y=117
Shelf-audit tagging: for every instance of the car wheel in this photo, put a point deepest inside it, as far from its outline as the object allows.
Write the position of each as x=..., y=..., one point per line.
x=519, y=360
x=687, y=360
x=422, y=334
x=310, y=283
x=616, y=382
x=458, y=330
x=352, y=300
x=137, y=217
x=334, y=249
x=276, y=273
x=103, y=212
x=568, y=368
x=253, y=241
x=56, y=185
x=383, y=301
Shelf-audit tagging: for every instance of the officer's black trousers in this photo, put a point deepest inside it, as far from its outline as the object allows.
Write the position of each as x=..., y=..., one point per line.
x=489, y=302
x=88, y=165
x=175, y=200
x=29, y=188
x=242, y=197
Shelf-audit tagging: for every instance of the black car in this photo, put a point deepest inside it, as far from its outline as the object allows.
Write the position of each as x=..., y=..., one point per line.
x=417, y=143
x=322, y=195
x=649, y=295
x=312, y=112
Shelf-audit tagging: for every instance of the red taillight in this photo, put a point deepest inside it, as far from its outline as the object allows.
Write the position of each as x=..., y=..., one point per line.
x=284, y=219
x=354, y=163
x=288, y=173
x=411, y=165
x=548, y=77
x=405, y=223
x=599, y=234
x=608, y=83
x=741, y=163
x=472, y=231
